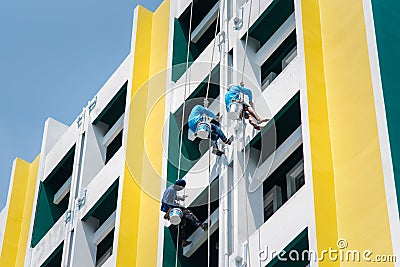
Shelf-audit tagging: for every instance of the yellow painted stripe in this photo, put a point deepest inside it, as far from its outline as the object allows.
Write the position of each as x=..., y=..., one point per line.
x=361, y=210
x=153, y=132
x=19, y=213
x=130, y=206
x=28, y=208
x=321, y=154
x=138, y=235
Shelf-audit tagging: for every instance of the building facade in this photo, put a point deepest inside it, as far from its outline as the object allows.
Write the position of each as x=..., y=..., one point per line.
x=319, y=185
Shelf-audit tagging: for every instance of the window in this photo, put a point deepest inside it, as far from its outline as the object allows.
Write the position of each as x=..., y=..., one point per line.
x=278, y=188
x=279, y=60
x=272, y=202
x=275, y=32
x=295, y=178
x=114, y=109
x=104, y=249
x=285, y=176
x=289, y=57
x=114, y=146
x=109, y=125
x=286, y=122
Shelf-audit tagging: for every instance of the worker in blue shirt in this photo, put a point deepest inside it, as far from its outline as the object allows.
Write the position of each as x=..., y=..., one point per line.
x=170, y=200
x=233, y=95
x=197, y=115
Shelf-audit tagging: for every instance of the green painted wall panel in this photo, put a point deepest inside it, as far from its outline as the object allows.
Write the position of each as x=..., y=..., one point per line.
x=299, y=244
x=47, y=213
x=198, y=259
x=387, y=20
x=179, y=51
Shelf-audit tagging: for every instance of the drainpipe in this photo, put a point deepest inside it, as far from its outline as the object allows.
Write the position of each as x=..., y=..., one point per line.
x=224, y=183
x=70, y=215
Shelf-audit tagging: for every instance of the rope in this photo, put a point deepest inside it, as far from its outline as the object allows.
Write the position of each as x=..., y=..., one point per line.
x=209, y=205
x=244, y=140
x=246, y=191
x=184, y=94
x=209, y=151
x=246, y=41
x=183, y=117
x=177, y=248
x=212, y=56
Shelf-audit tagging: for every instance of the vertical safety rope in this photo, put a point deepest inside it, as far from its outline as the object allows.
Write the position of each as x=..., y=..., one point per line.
x=246, y=192
x=244, y=140
x=212, y=56
x=209, y=206
x=177, y=248
x=246, y=40
x=183, y=117
x=184, y=93
x=209, y=145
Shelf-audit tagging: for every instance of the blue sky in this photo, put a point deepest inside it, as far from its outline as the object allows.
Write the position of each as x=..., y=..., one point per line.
x=54, y=57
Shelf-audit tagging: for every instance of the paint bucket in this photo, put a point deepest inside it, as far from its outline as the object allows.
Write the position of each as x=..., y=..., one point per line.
x=235, y=110
x=203, y=130
x=175, y=216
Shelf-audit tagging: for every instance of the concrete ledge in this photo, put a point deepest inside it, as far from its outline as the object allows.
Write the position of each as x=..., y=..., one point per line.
x=199, y=236
x=104, y=229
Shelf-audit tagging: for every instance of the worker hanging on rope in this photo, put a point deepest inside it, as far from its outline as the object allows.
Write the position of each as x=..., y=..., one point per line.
x=202, y=122
x=237, y=107
x=170, y=200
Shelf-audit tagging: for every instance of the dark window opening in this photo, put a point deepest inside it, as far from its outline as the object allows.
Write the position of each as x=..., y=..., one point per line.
x=283, y=124
x=268, y=211
x=99, y=213
x=278, y=181
x=105, y=206
x=198, y=259
x=264, y=28
x=104, y=249
x=271, y=19
x=300, y=181
x=114, y=109
x=114, y=146
x=47, y=211
x=181, y=36
x=55, y=258
x=284, y=181
x=277, y=62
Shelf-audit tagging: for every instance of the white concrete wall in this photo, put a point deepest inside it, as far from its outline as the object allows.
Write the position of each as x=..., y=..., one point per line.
x=94, y=155
x=84, y=249
x=282, y=228
x=3, y=218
